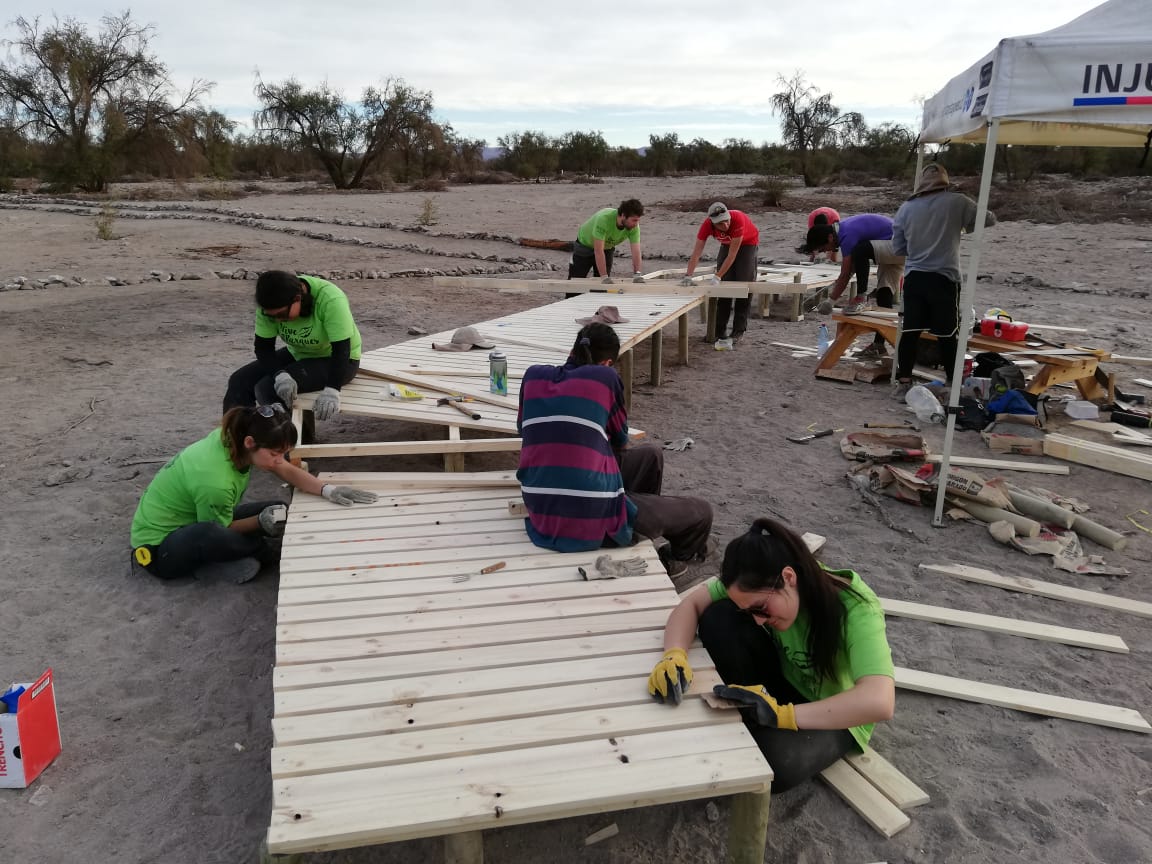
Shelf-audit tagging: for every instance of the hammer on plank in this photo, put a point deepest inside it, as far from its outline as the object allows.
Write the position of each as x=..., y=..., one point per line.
x=457, y=402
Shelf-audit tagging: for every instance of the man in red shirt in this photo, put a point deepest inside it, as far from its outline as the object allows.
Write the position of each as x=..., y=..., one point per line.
x=736, y=262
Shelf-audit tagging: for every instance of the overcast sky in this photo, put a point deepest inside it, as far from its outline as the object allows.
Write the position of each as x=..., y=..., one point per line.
x=702, y=70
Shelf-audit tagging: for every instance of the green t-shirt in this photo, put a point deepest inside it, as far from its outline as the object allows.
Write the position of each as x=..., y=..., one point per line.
x=199, y=484
x=311, y=337
x=602, y=226
x=865, y=650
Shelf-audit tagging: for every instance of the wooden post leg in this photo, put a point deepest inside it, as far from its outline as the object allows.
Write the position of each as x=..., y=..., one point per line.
x=748, y=827
x=453, y=461
x=682, y=337
x=657, y=358
x=624, y=365
x=710, y=333
x=267, y=857
x=845, y=335
x=466, y=848
x=796, y=301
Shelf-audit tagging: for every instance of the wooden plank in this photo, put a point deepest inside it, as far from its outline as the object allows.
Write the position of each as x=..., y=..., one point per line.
x=886, y=777
x=1043, y=589
x=865, y=799
x=422, y=479
x=341, y=648
x=380, y=370
x=1028, y=701
x=1100, y=456
x=408, y=448
x=1131, y=361
x=1008, y=626
x=1000, y=464
x=370, y=812
x=736, y=290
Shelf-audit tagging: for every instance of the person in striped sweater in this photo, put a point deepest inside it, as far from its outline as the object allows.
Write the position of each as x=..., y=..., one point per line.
x=583, y=486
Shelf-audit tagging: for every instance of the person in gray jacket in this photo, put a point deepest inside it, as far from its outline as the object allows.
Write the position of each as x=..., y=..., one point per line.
x=927, y=231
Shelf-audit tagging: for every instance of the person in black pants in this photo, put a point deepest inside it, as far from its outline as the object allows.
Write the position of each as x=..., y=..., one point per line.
x=736, y=262
x=802, y=649
x=322, y=345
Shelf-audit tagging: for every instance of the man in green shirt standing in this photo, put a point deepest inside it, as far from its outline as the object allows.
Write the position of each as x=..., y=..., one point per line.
x=601, y=234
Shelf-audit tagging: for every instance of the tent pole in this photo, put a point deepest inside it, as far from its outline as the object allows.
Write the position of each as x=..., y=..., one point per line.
x=919, y=164
x=967, y=294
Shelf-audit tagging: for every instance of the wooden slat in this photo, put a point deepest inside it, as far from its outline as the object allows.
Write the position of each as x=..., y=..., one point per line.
x=1022, y=700
x=1114, y=459
x=1043, y=589
x=1009, y=626
x=380, y=750
x=422, y=479
x=1000, y=464
x=402, y=448
x=888, y=779
x=865, y=799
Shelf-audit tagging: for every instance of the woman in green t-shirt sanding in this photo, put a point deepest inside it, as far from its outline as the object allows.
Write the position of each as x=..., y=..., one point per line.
x=190, y=521
x=801, y=647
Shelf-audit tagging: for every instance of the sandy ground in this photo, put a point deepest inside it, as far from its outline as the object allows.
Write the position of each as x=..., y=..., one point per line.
x=164, y=689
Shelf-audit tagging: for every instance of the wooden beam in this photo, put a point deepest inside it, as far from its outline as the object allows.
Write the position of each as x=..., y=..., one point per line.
x=1001, y=464
x=379, y=370
x=1102, y=456
x=735, y=290
x=464, y=848
x=423, y=479
x=748, y=827
x=408, y=448
x=1043, y=589
x=865, y=798
x=888, y=779
x=1028, y=701
x=1130, y=361
x=1007, y=626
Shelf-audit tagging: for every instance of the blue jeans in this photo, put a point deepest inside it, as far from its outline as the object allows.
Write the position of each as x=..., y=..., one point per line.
x=187, y=549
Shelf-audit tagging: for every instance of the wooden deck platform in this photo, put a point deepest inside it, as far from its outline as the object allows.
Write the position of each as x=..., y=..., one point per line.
x=409, y=703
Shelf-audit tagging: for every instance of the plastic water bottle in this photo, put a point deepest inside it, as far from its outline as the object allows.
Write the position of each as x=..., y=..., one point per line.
x=498, y=373
x=823, y=340
x=927, y=407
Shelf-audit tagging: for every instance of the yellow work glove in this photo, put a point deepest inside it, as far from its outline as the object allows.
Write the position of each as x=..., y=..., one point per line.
x=670, y=677
x=769, y=712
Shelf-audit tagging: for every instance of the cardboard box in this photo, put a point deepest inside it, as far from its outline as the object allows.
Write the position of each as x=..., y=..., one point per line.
x=1020, y=445
x=30, y=738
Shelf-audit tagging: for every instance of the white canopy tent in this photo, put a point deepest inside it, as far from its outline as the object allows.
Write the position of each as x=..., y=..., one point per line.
x=1086, y=84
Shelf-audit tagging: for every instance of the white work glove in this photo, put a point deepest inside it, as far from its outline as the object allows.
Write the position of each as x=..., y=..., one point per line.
x=607, y=280
x=608, y=568
x=346, y=496
x=825, y=307
x=638, y=277
x=327, y=404
x=269, y=523
x=686, y=282
x=714, y=279
x=285, y=387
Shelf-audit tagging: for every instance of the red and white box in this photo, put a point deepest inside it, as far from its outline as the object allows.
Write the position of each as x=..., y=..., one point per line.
x=30, y=738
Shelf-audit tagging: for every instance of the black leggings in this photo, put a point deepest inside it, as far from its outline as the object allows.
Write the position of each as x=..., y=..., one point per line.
x=255, y=384
x=932, y=303
x=745, y=653
x=187, y=549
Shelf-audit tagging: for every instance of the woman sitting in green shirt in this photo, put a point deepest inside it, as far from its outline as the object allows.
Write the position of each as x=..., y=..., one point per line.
x=190, y=521
x=803, y=648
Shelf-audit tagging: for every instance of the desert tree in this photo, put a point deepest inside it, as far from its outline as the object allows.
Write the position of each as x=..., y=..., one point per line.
x=91, y=96
x=583, y=152
x=809, y=122
x=469, y=155
x=530, y=155
x=347, y=139
x=662, y=154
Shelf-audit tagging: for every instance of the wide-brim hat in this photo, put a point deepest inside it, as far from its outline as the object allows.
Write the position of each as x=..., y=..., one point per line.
x=933, y=178
x=464, y=339
x=603, y=315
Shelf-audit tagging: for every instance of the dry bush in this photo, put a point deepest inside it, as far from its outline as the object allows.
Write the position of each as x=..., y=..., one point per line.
x=1071, y=202
x=105, y=221
x=429, y=214
x=772, y=190
x=378, y=183
x=492, y=178
x=428, y=184
x=584, y=178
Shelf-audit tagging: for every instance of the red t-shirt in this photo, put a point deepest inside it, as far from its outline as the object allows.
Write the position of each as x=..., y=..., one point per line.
x=739, y=226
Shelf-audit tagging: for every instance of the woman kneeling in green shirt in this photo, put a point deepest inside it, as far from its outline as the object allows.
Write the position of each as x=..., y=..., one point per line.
x=801, y=647
x=190, y=521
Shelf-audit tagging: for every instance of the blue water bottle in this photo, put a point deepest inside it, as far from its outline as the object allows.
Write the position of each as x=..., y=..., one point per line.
x=498, y=373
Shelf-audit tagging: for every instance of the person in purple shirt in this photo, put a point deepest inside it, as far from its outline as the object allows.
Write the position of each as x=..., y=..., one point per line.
x=861, y=240
x=584, y=488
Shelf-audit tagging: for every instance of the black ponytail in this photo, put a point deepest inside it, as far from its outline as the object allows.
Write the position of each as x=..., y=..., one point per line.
x=595, y=343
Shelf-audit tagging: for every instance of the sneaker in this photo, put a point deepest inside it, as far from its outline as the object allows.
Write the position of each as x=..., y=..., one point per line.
x=723, y=345
x=855, y=306
x=872, y=352
x=238, y=570
x=900, y=390
x=736, y=337
x=674, y=566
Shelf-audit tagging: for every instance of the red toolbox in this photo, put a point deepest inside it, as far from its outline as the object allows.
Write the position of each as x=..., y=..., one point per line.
x=1003, y=327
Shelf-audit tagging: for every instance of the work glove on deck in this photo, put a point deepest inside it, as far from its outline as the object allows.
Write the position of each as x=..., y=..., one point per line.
x=638, y=277
x=346, y=496
x=607, y=280
x=768, y=711
x=285, y=387
x=268, y=522
x=606, y=567
x=670, y=677
x=327, y=404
